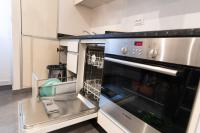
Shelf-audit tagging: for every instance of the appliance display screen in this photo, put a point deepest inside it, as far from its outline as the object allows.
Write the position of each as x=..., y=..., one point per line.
x=138, y=43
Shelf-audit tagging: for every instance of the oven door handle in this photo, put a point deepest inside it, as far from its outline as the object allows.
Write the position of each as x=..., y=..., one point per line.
x=162, y=70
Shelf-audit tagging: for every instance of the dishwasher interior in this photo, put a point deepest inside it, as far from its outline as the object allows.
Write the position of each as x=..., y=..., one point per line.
x=67, y=106
x=93, y=72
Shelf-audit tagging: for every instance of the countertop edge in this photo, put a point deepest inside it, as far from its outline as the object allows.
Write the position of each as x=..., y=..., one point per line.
x=144, y=34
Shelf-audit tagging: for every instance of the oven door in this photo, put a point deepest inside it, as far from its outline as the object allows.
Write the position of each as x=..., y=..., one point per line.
x=148, y=98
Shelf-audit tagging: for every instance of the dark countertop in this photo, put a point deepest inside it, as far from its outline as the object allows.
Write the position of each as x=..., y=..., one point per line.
x=145, y=34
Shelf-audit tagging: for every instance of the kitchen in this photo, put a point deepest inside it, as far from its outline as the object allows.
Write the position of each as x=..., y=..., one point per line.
x=127, y=65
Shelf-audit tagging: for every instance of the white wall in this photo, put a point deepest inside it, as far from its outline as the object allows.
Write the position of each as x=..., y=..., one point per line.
x=120, y=15
x=5, y=43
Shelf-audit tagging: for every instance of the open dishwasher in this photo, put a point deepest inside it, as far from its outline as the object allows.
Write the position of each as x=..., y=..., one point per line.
x=65, y=108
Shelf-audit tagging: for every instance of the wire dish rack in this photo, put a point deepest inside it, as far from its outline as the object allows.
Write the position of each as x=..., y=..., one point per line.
x=93, y=87
x=59, y=88
x=95, y=59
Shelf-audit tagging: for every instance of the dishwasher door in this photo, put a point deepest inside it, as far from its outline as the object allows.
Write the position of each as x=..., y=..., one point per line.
x=73, y=108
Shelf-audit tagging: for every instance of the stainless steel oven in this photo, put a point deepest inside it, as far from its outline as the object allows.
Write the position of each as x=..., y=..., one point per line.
x=150, y=85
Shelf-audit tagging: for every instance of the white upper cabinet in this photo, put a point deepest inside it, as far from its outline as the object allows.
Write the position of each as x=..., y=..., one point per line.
x=73, y=20
x=91, y=3
x=47, y=18
x=40, y=18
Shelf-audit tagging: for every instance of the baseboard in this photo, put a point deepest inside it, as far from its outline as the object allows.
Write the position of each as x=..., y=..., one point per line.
x=4, y=83
x=5, y=87
x=24, y=90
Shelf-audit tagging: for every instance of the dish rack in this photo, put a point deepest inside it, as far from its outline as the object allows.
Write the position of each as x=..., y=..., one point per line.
x=95, y=58
x=93, y=72
x=93, y=87
x=60, y=88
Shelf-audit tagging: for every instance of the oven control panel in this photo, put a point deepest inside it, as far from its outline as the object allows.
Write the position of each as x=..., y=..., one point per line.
x=183, y=51
x=137, y=48
x=127, y=47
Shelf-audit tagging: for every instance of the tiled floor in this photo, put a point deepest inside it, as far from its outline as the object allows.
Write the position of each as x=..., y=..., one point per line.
x=8, y=115
x=8, y=109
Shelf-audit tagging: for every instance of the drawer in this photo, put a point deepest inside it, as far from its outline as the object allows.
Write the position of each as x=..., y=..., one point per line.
x=71, y=44
x=107, y=124
x=72, y=60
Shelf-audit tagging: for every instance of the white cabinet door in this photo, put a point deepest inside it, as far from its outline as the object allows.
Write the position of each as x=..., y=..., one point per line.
x=72, y=60
x=27, y=61
x=44, y=54
x=40, y=17
x=37, y=54
x=73, y=20
x=77, y=1
x=91, y=3
x=71, y=44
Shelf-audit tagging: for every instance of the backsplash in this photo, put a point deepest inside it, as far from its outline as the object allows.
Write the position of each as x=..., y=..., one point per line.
x=145, y=15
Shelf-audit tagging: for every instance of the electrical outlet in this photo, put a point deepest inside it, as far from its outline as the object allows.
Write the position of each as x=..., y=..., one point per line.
x=139, y=21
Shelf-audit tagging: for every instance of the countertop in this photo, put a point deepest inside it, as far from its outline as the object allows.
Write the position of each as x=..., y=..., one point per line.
x=144, y=34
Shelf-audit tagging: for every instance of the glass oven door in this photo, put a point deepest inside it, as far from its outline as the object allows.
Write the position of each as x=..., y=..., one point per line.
x=159, y=96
